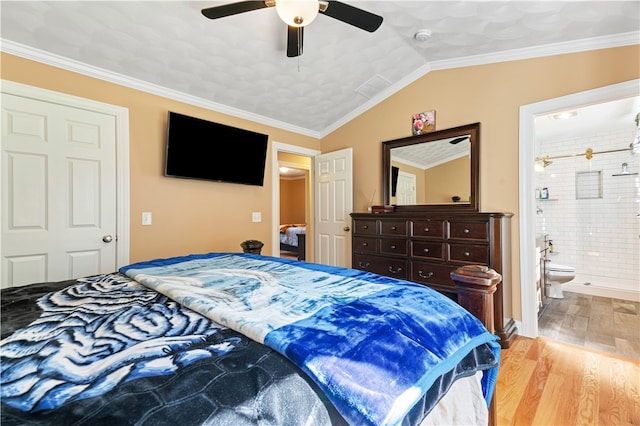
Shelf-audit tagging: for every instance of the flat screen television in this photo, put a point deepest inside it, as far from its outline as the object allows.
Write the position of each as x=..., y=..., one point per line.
x=201, y=149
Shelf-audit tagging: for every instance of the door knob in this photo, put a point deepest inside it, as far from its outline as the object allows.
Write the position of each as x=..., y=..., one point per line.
x=346, y=229
x=107, y=238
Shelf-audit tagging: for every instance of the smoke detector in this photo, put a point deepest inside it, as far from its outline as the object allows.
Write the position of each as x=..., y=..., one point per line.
x=422, y=35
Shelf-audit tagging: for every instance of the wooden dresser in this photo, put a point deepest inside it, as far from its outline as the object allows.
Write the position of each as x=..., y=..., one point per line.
x=427, y=247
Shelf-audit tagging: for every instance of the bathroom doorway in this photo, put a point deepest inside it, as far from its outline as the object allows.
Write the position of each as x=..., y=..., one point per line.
x=587, y=209
x=588, y=177
x=529, y=114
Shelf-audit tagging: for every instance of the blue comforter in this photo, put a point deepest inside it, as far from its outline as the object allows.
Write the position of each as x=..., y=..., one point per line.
x=106, y=350
x=374, y=344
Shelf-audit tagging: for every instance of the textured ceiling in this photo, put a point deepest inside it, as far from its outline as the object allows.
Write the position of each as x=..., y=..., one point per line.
x=238, y=64
x=431, y=154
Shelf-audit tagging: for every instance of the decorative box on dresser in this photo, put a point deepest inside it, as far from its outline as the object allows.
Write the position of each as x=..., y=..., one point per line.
x=426, y=247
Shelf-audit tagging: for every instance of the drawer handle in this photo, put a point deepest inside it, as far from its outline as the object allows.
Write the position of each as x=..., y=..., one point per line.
x=425, y=276
x=394, y=271
x=393, y=247
x=426, y=229
x=363, y=265
x=466, y=230
x=393, y=228
x=426, y=250
x=365, y=226
x=467, y=254
x=365, y=244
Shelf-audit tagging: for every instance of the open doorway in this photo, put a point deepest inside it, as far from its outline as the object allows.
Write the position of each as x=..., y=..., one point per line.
x=292, y=201
x=295, y=209
x=527, y=206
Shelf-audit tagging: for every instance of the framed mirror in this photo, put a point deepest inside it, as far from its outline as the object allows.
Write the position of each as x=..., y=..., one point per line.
x=433, y=171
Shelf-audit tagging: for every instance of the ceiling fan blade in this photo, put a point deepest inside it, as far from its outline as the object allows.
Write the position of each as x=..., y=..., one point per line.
x=353, y=16
x=294, y=41
x=233, y=9
x=458, y=140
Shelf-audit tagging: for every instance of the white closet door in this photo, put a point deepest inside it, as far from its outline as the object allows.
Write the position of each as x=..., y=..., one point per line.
x=58, y=192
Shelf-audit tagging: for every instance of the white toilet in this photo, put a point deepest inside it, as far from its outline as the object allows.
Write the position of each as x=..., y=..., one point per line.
x=558, y=275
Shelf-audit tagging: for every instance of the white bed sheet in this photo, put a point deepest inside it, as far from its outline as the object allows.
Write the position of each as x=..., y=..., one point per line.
x=463, y=404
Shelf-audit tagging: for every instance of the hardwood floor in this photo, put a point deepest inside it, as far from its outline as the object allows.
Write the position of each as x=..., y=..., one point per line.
x=548, y=382
x=601, y=323
x=289, y=255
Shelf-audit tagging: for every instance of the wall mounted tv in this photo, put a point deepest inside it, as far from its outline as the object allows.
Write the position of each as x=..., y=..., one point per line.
x=201, y=149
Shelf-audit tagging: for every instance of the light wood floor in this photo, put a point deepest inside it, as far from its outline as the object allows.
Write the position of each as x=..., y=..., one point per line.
x=548, y=382
x=289, y=255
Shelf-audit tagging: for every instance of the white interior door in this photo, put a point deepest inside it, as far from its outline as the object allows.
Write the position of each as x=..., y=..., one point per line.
x=333, y=204
x=58, y=191
x=406, y=189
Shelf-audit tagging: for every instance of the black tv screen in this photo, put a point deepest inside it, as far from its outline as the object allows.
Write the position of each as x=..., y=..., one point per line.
x=394, y=180
x=201, y=149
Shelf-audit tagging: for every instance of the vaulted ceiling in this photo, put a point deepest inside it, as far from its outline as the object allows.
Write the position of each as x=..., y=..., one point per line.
x=238, y=65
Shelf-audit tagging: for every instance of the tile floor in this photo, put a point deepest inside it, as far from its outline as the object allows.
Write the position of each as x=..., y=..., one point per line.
x=601, y=323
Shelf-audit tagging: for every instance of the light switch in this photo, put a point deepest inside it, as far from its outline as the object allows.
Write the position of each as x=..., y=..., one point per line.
x=257, y=216
x=146, y=218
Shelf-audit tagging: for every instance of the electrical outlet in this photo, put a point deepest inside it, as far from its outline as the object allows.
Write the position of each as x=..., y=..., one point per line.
x=256, y=217
x=147, y=218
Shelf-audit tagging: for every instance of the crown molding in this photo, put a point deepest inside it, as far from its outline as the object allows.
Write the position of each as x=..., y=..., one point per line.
x=576, y=46
x=62, y=62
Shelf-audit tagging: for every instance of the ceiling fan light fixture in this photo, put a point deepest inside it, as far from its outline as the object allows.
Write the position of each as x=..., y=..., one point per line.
x=297, y=13
x=564, y=115
x=458, y=140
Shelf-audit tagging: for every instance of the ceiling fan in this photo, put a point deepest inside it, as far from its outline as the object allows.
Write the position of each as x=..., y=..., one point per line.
x=299, y=13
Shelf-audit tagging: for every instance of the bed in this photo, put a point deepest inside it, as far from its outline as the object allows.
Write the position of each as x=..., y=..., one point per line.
x=292, y=239
x=237, y=338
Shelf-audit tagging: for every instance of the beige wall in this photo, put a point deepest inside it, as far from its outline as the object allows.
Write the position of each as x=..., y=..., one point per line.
x=489, y=94
x=193, y=216
x=457, y=174
x=420, y=181
x=292, y=201
x=298, y=160
x=189, y=216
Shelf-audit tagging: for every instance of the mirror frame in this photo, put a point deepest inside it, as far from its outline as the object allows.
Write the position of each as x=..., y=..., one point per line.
x=468, y=129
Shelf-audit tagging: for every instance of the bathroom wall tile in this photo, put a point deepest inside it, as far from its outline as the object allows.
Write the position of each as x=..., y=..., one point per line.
x=597, y=236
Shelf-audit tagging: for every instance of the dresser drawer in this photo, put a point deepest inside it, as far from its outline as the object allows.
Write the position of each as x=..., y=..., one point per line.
x=365, y=227
x=396, y=268
x=368, y=244
x=394, y=227
x=427, y=249
x=437, y=242
x=396, y=246
x=469, y=230
x=428, y=228
x=469, y=253
x=432, y=273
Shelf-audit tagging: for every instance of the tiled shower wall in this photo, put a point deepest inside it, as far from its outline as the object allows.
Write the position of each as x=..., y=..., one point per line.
x=594, y=227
